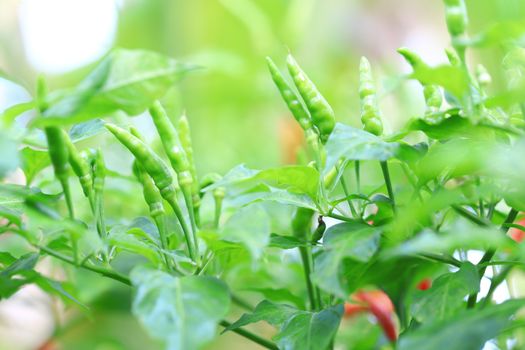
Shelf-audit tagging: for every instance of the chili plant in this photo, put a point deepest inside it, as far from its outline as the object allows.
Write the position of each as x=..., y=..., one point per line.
x=312, y=249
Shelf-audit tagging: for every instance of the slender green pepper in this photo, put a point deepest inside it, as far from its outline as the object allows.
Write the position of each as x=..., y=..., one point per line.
x=171, y=143
x=456, y=17
x=58, y=152
x=432, y=93
x=183, y=126
x=321, y=112
x=57, y=146
x=319, y=231
x=370, y=115
x=80, y=167
x=290, y=97
x=161, y=175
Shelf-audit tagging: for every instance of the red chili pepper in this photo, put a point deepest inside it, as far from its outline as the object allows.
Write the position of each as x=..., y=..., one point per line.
x=517, y=234
x=378, y=304
x=424, y=284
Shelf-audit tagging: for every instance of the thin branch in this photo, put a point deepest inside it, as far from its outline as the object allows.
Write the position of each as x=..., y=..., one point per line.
x=252, y=336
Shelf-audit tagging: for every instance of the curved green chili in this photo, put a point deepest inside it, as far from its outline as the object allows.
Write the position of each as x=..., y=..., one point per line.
x=161, y=175
x=289, y=96
x=321, y=112
x=370, y=115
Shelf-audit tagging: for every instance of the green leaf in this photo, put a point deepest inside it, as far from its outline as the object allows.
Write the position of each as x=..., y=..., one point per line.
x=82, y=131
x=120, y=237
x=468, y=330
x=310, y=331
x=183, y=312
x=249, y=226
x=33, y=161
x=126, y=80
x=350, y=143
x=348, y=240
x=10, y=114
x=461, y=234
x=278, y=295
x=297, y=329
x=451, y=78
x=446, y=296
x=286, y=242
x=287, y=184
x=274, y=314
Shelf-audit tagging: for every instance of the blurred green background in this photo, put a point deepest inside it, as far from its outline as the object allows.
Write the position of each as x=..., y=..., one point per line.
x=236, y=113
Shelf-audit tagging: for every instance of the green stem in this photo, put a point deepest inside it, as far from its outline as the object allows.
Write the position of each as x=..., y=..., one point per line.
x=64, y=182
x=470, y=216
x=241, y=303
x=160, y=221
x=489, y=254
x=386, y=175
x=358, y=176
x=100, y=270
x=441, y=258
x=186, y=192
x=187, y=235
x=347, y=193
x=307, y=271
x=218, y=211
x=495, y=282
x=249, y=335
x=339, y=217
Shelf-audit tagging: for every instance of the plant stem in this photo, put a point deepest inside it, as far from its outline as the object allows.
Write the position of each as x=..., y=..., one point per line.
x=187, y=235
x=307, y=271
x=495, y=282
x=249, y=335
x=347, y=194
x=339, y=217
x=489, y=254
x=443, y=259
x=103, y=271
x=218, y=211
x=64, y=182
x=386, y=175
x=468, y=215
x=241, y=303
x=160, y=221
x=358, y=176
x=186, y=192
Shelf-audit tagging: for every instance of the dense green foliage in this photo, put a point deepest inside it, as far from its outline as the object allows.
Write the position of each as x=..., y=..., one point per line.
x=365, y=216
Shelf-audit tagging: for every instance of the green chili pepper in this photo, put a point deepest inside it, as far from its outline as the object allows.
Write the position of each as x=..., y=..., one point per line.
x=289, y=96
x=171, y=143
x=80, y=167
x=456, y=17
x=432, y=93
x=57, y=146
x=319, y=231
x=149, y=160
x=321, y=112
x=58, y=152
x=161, y=175
x=183, y=126
x=370, y=115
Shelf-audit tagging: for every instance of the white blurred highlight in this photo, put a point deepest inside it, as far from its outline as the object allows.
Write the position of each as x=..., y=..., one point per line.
x=61, y=35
